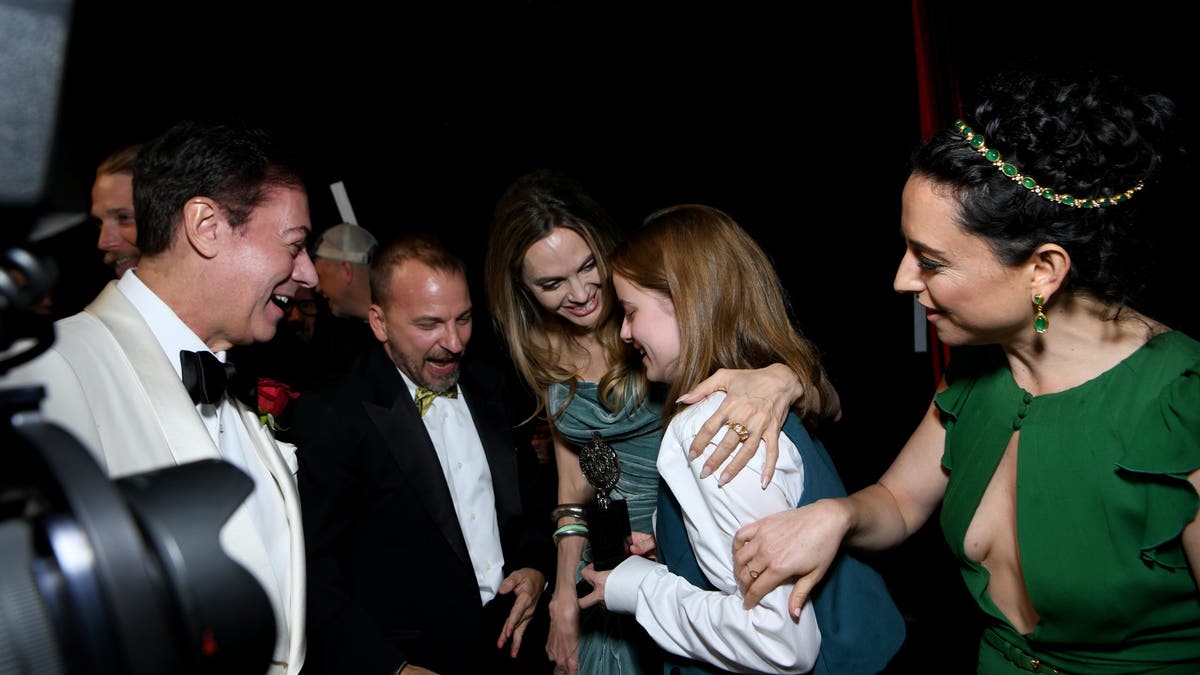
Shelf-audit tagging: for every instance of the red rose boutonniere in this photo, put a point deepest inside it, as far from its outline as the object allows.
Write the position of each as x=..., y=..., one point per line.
x=273, y=398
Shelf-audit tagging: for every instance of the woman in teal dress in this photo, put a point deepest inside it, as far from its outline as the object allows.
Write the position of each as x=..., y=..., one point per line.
x=1064, y=443
x=550, y=295
x=611, y=642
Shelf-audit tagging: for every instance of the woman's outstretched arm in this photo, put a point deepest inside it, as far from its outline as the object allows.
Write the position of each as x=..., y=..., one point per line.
x=801, y=543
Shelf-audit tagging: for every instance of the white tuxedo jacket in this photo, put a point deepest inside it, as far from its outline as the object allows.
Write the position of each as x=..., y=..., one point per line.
x=108, y=381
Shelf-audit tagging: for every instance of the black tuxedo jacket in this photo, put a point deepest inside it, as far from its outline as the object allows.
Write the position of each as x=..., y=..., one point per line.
x=390, y=576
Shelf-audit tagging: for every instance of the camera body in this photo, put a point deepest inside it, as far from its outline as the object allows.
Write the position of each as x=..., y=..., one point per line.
x=124, y=576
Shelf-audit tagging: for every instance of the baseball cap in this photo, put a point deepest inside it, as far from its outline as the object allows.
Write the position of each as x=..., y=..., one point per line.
x=346, y=241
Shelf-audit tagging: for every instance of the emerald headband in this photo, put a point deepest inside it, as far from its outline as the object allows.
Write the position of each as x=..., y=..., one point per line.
x=976, y=141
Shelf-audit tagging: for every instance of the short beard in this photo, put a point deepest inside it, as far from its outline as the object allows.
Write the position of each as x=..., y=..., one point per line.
x=416, y=372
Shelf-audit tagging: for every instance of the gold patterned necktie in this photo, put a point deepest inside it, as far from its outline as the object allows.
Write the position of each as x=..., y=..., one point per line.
x=424, y=397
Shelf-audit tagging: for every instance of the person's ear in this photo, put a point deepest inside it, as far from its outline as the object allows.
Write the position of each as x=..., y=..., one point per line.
x=202, y=220
x=1049, y=265
x=375, y=318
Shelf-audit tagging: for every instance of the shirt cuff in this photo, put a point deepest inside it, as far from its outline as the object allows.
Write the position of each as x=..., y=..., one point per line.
x=621, y=587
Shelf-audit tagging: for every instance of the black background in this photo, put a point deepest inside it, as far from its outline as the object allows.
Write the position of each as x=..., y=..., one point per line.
x=795, y=119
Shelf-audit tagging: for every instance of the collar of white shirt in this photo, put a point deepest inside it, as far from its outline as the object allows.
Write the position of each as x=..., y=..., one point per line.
x=171, y=332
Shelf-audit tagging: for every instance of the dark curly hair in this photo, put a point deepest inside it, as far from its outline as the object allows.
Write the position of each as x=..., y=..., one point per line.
x=1089, y=136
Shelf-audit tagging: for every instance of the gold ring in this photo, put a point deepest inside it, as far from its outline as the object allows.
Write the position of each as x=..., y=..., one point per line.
x=739, y=429
x=753, y=574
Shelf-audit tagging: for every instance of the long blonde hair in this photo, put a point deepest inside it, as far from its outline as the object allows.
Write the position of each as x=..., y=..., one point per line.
x=538, y=340
x=729, y=303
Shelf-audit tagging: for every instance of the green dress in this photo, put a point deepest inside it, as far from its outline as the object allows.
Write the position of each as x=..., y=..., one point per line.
x=1101, y=499
x=615, y=643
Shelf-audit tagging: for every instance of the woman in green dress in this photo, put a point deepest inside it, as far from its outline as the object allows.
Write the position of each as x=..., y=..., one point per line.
x=550, y=295
x=1064, y=443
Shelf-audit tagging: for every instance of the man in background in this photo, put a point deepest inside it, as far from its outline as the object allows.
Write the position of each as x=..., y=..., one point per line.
x=342, y=257
x=112, y=207
x=112, y=211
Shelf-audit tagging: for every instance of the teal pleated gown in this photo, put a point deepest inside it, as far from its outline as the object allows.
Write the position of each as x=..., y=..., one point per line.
x=612, y=644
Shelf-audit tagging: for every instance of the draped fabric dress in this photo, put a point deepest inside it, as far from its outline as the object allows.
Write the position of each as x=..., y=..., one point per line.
x=611, y=644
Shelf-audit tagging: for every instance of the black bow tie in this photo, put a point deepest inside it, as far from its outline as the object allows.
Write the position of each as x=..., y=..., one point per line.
x=207, y=380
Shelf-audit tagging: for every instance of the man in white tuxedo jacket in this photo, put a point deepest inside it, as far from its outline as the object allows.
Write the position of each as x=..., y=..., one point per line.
x=222, y=228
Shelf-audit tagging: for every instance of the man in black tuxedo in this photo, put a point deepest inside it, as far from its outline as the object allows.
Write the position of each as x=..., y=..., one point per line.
x=420, y=559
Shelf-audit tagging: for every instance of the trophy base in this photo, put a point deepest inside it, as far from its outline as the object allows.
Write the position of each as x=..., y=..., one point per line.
x=608, y=532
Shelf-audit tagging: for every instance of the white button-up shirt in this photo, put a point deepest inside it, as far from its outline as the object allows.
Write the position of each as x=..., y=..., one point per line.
x=711, y=626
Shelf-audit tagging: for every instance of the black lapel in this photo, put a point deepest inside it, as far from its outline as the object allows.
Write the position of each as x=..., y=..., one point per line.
x=396, y=418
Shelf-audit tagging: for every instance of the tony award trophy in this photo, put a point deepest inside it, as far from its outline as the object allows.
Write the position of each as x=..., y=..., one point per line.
x=607, y=518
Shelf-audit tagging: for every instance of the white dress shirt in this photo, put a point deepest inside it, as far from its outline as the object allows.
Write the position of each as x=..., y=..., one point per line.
x=469, y=478
x=712, y=626
x=224, y=426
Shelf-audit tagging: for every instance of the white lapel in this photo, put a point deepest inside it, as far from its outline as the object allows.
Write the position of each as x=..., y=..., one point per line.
x=280, y=459
x=187, y=439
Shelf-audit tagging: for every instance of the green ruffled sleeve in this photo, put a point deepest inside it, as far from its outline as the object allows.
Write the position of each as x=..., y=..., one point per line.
x=1168, y=450
x=967, y=366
